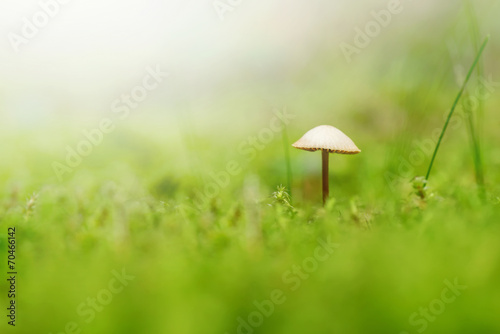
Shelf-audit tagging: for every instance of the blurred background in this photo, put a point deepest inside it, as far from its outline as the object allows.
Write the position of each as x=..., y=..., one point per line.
x=229, y=65
x=259, y=53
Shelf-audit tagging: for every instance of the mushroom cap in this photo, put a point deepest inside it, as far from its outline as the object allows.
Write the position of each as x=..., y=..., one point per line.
x=326, y=137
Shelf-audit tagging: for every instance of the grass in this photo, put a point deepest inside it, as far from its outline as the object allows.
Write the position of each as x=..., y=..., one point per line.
x=476, y=155
x=286, y=151
x=476, y=129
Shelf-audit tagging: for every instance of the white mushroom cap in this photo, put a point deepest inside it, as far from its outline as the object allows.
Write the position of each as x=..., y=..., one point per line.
x=326, y=137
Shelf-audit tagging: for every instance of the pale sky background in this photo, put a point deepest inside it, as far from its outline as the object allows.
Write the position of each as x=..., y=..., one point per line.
x=94, y=50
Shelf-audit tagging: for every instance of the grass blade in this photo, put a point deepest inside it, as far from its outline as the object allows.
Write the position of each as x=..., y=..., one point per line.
x=476, y=60
x=476, y=130
x=286, y=150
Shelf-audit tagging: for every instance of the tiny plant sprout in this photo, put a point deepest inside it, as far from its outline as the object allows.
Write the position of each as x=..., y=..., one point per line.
x=328, y=139
x=420, y=186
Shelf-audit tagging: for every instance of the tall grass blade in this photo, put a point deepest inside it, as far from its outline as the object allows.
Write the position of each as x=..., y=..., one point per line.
x=286, y=150
x=476, y=130
x=476, y=153
x=476, y=60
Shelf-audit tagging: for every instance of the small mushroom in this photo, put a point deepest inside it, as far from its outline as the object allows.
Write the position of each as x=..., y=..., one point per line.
x=328, y=139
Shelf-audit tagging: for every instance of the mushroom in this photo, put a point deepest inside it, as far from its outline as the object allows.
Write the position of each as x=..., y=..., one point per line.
x=328, y=139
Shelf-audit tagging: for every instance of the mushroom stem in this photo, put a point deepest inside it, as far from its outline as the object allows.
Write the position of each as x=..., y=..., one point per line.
x=324, y=158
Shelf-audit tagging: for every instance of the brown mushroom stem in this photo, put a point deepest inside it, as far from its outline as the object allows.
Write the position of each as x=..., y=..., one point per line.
x=324, y=158
x=328, y=139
